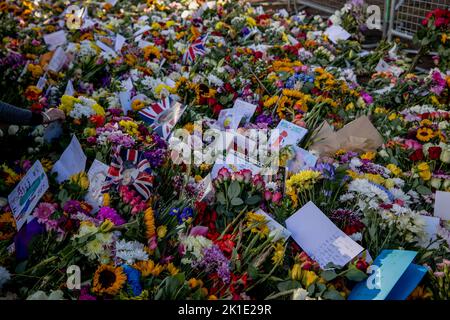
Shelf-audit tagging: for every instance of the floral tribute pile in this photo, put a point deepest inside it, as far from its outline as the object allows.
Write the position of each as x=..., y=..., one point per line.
x=122, y=218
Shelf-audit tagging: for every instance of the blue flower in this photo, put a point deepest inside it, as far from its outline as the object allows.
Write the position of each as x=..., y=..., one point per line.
x=133, y=277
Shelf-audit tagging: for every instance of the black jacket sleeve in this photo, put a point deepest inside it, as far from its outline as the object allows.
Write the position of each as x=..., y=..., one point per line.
x=13, y=115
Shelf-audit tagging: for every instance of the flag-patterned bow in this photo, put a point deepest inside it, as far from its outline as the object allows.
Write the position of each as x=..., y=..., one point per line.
x=195, y=49
x=129, y=167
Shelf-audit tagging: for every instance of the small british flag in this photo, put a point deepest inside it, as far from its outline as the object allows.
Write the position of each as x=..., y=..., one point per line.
x=162, y=116
x=195, y=49
x=129, y=167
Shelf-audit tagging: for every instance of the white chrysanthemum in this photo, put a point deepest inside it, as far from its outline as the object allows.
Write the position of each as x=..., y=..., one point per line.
x=212, y=79
x=194, y=245
x=131, y=251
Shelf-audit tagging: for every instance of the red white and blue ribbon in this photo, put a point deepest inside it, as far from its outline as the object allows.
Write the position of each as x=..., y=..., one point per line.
x=129, y=167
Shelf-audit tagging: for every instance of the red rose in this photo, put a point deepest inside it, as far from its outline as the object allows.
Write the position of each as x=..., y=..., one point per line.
x=416, y=155
x=362, y=265
x=212, y=101
x=216, y=109
x=434, y=152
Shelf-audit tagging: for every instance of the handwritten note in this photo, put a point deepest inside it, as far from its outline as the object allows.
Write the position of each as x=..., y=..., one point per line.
x=320, y=238
x=27, y=193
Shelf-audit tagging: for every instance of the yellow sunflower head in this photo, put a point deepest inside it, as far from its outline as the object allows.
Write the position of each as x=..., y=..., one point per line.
x=108, y=280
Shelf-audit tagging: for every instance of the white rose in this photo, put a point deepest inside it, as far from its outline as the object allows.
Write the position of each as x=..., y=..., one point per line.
x=13, y=129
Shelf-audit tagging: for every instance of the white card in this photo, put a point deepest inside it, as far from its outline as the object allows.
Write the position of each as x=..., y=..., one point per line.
x=128, y=84
x=55, y=39
x=142, y=30
x=105, y=48
x=320, y=238
x=27, y=193
x=125, y=101
x=70, y=91
x=143, y=43
x=442, y=205
x=292, y=40
x=277, y=231
x=112, y=2
x=97, y=174
x=286, y=133
x=58, y=60
x=382, y=66
x=42, y=82
x=246, y=109
x=233, y=162
x=72, y=161
x=431, y=229
x=120, y=41
x=229, y=119
x=302, y=160
x=205, y=188
x=336, y=33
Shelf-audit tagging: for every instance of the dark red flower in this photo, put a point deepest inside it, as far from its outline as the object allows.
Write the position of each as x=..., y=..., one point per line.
x=416, y=155
x=434, y=152
x=216, y=109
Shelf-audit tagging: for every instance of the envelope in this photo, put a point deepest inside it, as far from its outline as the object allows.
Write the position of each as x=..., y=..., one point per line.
x=359, y=135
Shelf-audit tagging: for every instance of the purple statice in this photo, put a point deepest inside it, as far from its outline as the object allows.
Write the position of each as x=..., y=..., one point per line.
x=213, y=260
x=110, y=214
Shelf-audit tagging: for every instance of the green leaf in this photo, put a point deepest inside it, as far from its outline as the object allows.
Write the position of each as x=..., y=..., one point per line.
x=355, y=274
x=423, y=190
x=253, y=272
x=234, y=189
x=236, y=201
x=288, y=285
x=221, y=198
x=328, y=275
x=253, y=200
x=332, y=295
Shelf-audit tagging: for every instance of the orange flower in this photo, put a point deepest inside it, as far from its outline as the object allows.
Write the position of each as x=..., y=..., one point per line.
x=33, y=93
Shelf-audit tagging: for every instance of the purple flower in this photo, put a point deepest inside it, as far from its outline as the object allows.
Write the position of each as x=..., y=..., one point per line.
x=366, y=97
x=72, y=207
x=110, y=214
x=214, y=261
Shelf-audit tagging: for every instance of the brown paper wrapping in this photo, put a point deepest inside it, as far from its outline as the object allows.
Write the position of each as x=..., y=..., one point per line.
x=359, y=135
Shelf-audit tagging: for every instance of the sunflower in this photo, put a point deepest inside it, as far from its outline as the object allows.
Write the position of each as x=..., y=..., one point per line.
x=149, y=220
x=108, y=280
x=148, y=268
x=151, y=53
x=424, y=134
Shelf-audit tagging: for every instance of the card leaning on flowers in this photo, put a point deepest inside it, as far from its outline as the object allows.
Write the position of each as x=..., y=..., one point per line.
x=332, y=181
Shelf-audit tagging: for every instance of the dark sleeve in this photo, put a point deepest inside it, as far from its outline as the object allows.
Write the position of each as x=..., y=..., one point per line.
x=13, y=115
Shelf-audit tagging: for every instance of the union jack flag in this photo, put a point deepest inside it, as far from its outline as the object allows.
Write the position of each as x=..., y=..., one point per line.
x=196, y=48
x=162, y=116
x=129, y=167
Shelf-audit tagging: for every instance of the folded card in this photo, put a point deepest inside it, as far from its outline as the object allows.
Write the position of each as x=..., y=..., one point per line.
x=320, y=238
x=336, y=33
x=302, y=160
x=97, y=175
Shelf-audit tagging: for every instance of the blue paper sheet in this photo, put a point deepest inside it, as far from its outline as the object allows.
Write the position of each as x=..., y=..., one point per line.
x=408, y=282
x=392, y=266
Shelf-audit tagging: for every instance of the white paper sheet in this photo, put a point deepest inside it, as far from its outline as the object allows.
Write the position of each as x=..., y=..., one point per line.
x=442, y=205
x=70, y=91
x=58, y=60
x=125, y=101
x=120, y=41
x=27, y=193
x=336, y=33
x=286, y=133
x=277, y=231
x=72, y=161
x=55, y=39
x=320, y=238
x=431, y=230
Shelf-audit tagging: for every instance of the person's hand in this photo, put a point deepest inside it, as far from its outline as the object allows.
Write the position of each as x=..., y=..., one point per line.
x=52, y=115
